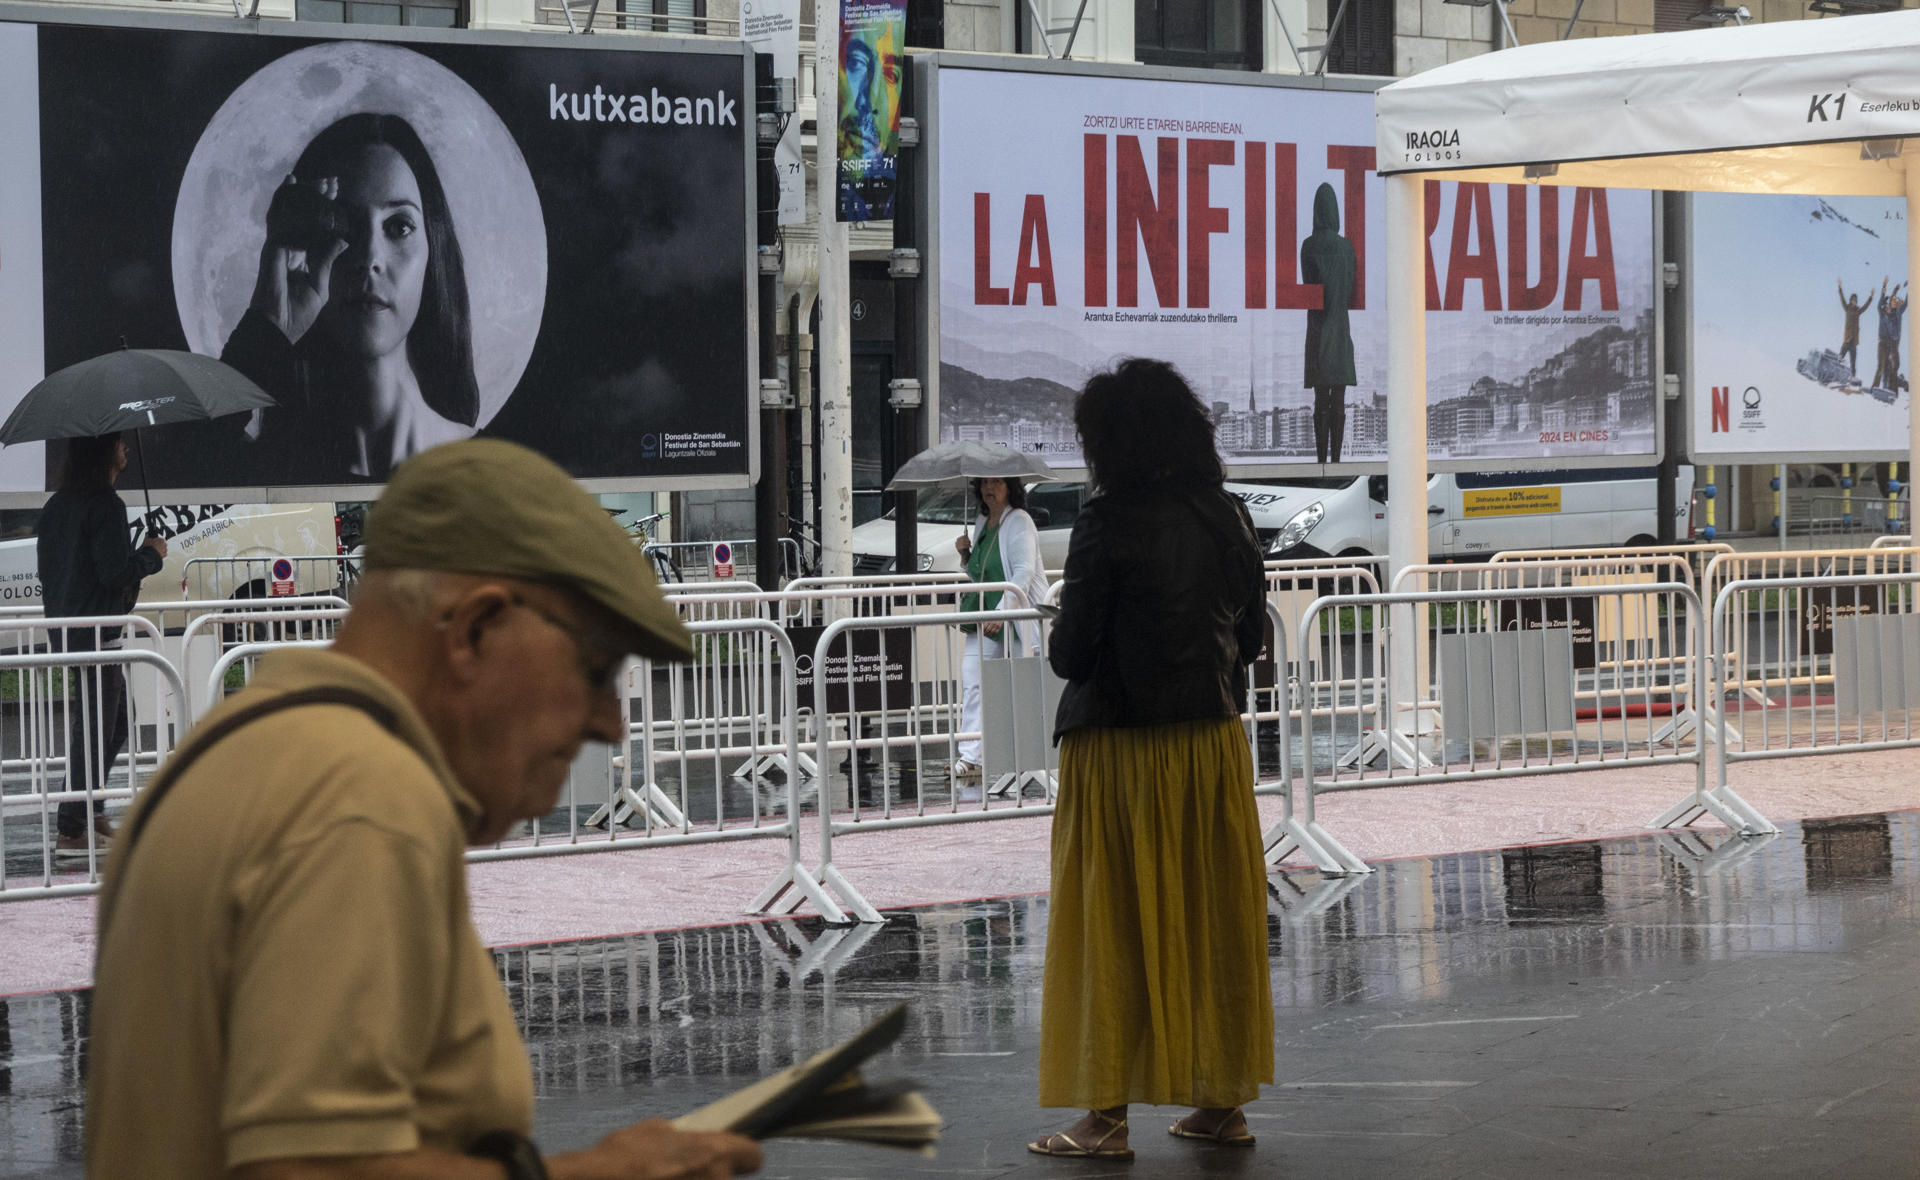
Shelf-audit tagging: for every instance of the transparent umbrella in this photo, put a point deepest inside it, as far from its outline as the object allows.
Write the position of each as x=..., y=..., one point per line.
x=951, y=464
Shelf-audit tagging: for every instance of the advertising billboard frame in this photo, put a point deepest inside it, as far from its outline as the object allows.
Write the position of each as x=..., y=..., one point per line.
x=748, y=344
x=927, y=68
x=1706, y=451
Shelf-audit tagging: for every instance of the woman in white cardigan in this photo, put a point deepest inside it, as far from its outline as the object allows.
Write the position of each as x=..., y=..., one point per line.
x=1012, y=556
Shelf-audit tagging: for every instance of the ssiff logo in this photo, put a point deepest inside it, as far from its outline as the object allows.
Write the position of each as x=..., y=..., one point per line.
x=1722, y=409
x=649, y=446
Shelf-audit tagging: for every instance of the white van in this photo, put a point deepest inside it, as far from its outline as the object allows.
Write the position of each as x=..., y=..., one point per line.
x=1470, y=515
x=946, y=513
x=238, y=541
x=1475, y=514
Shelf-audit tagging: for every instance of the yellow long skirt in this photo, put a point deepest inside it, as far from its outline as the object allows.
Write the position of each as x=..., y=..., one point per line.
x=1156, y=985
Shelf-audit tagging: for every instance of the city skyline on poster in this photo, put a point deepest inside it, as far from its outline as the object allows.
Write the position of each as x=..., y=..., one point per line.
x=1541, y=347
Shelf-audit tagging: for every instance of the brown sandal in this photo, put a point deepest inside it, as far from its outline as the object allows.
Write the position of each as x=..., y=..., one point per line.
x=1060, y=1143
x=1182, y=1130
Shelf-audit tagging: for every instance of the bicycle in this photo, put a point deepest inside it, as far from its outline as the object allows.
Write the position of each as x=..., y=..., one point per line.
x=664, y=567
x=806, y=546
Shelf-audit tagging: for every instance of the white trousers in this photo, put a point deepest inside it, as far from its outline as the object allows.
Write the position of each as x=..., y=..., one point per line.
x=978, y=647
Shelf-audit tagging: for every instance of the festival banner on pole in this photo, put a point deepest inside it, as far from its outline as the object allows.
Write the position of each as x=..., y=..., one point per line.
x=403, y=243
x=773, y=27
x=872, y=33
x=1236, y=230
x=1797, y=348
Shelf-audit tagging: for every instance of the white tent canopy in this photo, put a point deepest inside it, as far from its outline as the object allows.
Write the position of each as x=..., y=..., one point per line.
x=1777, y=108
x=1816, y=107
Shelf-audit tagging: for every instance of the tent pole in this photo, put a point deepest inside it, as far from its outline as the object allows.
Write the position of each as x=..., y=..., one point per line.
x=1911, y=159
x=1407, y=433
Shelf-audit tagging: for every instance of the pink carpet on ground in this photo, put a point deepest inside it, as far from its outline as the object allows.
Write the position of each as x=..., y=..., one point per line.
x=47, y=945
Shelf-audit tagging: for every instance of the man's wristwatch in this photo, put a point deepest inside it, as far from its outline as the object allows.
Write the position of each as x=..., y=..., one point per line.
x=514, y=1150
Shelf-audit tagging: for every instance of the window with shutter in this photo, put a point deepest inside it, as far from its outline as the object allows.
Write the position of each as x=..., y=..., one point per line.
x=1363, y=44
x=419, y=14
x=1210, y=34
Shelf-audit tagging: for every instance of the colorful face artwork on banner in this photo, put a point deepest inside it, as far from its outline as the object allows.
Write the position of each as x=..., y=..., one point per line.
x=872, y=33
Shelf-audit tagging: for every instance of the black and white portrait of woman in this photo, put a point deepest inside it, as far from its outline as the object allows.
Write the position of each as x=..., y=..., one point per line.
x=352, y=290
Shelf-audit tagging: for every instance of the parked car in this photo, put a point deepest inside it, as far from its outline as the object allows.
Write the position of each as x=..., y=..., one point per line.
x=1470, y=515
x=1477, y=514
x=946, y=513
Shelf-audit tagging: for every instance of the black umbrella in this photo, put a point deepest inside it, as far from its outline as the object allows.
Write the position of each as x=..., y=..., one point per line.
x=129, y=389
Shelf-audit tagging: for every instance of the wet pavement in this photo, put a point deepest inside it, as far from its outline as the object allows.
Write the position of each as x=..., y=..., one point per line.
x=1685, y=1005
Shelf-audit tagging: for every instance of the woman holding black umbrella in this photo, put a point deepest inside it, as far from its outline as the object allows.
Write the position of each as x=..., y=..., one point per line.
x=89, y=567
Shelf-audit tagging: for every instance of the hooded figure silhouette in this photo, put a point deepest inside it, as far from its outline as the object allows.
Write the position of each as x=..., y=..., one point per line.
x=1326, y=258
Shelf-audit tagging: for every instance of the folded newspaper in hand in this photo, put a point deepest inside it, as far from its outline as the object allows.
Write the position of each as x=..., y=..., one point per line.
x=825, y=1098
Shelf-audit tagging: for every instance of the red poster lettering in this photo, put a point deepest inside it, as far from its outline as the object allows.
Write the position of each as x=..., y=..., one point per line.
x=1256, y=223
x=1288, y=292
x=1473, y=215
x=1722, y=409
x=1143, y=220
x=1093, y=175
x=1353, y=163
x=1584, y=267
x=1522, y=296
x=1034, y=269
x=1204, y=218
x=985, y=294
x=1430, y=208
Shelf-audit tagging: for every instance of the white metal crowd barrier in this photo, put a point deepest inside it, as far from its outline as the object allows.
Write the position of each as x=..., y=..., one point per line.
x=1820, y=664
x=804, y=610
x=61, y=696
x=694, y=559
x=259, y=577
x=673, y=775
x=1693, y=555
x=898, y=700
x=1762, y=656
x=1300, y=687
x=216, y=633
x=1502, y=690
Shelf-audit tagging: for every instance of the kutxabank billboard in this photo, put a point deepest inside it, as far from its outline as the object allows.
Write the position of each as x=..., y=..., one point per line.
x=403, y=242
x=1085, y=218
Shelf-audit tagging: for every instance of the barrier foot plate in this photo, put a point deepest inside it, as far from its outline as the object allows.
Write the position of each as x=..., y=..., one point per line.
x=661, y=811
x=1346, y=861
x=1291, y=901
x=1692, y=850
x=1721, y=803
x=1290, y=835
x=1016, y=784
x=856, y=905
x=1401, y=748
x=794, y=886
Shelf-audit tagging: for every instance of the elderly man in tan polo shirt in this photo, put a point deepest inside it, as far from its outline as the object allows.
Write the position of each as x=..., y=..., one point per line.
x=289, y=981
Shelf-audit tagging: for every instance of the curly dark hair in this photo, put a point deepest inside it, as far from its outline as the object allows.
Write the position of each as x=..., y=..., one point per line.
x=1016, y=491
x=1140, y=424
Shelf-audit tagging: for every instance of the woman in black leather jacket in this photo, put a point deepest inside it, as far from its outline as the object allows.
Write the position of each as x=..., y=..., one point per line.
x=1156, y=977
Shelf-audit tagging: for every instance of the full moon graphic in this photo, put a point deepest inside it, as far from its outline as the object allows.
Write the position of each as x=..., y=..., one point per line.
x=249, y=148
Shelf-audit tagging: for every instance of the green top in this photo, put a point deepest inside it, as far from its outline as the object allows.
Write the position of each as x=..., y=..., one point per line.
x=983, y=565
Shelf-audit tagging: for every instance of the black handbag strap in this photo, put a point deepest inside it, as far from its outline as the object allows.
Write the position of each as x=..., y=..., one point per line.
x=180, y=763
